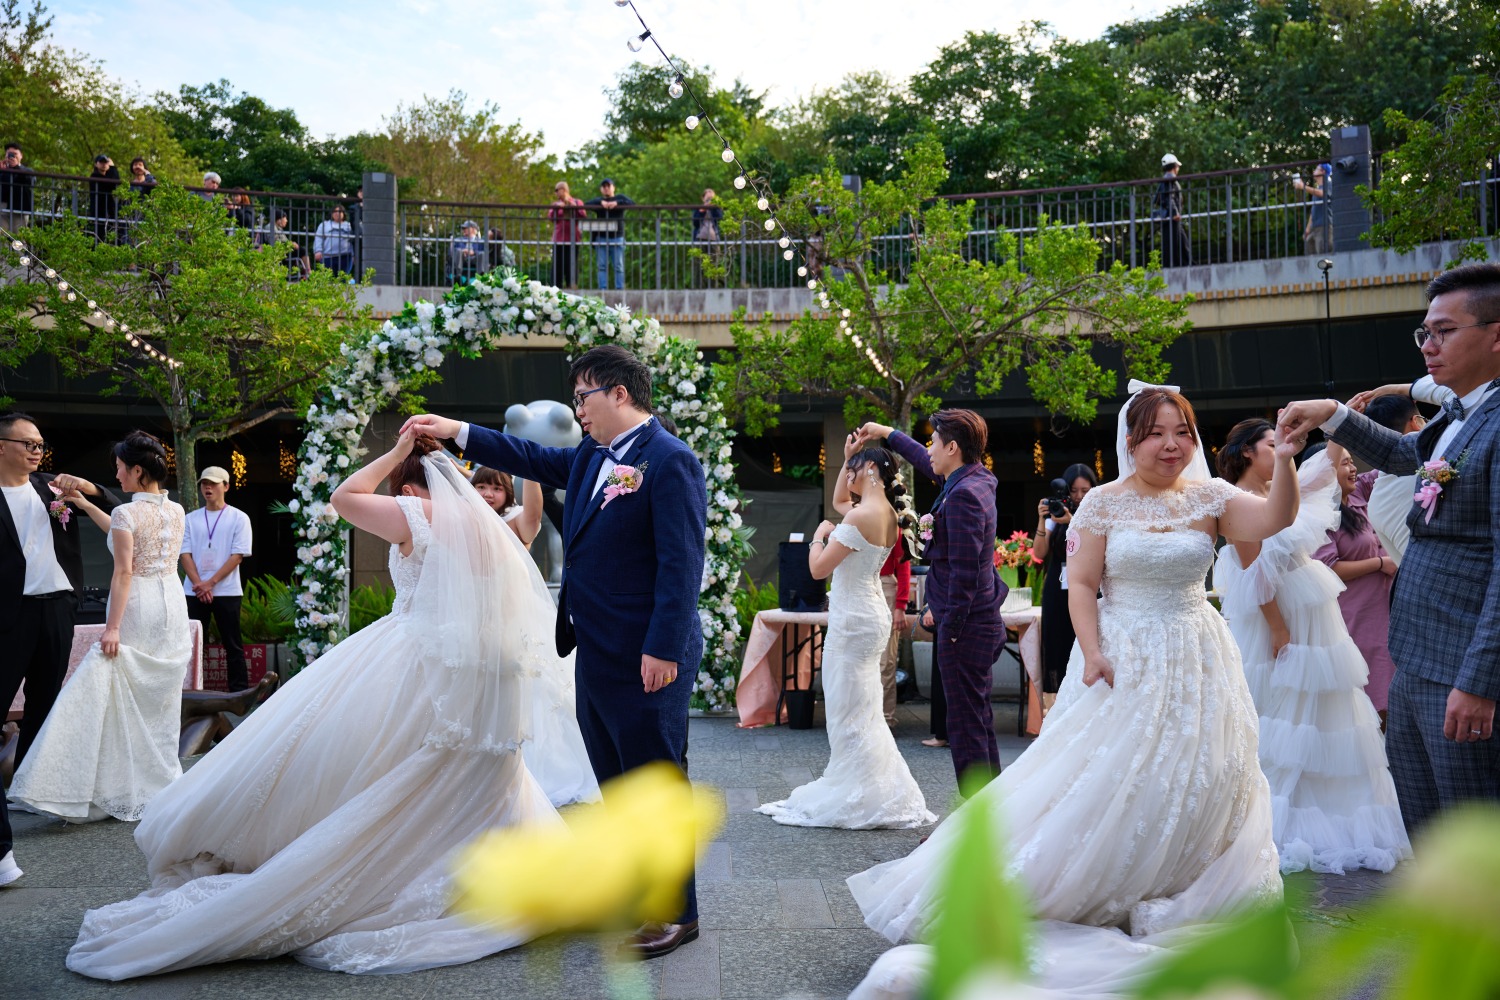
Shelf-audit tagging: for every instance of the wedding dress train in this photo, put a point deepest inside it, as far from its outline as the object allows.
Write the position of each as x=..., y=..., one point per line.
x=325, y=825
x=867, y=784
x=1141, y=809
x=109, y=745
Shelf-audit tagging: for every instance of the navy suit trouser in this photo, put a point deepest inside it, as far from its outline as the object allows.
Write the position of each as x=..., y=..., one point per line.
x=623, y=727
x=967, y=665
x=1433, y=773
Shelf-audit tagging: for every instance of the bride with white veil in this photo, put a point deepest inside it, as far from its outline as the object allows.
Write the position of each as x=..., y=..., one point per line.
x=325, y=826
x=1140, y=810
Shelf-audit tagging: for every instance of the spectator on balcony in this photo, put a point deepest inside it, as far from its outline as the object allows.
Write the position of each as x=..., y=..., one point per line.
x=211, y=182
x=467, y=256
x=333, y=242
x=706, y=234
x=142, y=181
x=609, y=238
x=15, y=188
x=276, y=235
x=104, y=209
x=1317, y=235
x=357, y=221
x=564, y=214
x=1166, y=212
x=240, y=210
x=500, y=254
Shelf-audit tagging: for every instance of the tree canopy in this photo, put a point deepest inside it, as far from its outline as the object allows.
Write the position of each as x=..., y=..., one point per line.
x=891, y=346
x=251, y=345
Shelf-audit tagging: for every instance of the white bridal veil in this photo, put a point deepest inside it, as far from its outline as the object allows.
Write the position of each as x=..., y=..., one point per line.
x=487, y=615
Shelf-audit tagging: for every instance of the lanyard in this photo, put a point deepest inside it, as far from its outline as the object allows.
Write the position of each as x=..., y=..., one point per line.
x=211, y=527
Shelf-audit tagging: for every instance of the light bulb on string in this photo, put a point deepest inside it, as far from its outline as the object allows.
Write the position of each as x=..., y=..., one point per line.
x=72, y=296
x=109, y=322
x=762, y=203
x=25, y=261
x=62, y=286
x=92, y=304
x=728, y=155
x=811, y=284
x=739, y=182
x=674, y=89
x=770, y=225
x=845, y=314
x=50, y=273
x=802, y=272
x=784, y=242
x=787, y=254
x=17, y=245
x=691, y=122
x=622, y=3
x=636, y=41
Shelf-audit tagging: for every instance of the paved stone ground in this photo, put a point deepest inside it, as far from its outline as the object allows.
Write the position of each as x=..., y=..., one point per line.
x=777, y=919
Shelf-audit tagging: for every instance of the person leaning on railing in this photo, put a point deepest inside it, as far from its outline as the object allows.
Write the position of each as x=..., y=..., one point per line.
x=467, y=257
x=15, y=188
x=609, y=243
x=564, y=214
x=333, y=243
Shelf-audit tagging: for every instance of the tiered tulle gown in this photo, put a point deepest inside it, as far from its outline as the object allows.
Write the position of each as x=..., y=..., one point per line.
x=867, y=784
x=109, y=745
x=1141, y=808
x=1333, y=803
x=324, y=826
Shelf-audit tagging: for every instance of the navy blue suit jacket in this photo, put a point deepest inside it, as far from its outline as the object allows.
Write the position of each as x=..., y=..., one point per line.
x=632, y=571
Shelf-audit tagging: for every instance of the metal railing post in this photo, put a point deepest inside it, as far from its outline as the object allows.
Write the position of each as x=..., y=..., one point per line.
x=658, y=248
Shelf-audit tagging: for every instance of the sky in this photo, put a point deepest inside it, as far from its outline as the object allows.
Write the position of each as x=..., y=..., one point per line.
x=343, y=67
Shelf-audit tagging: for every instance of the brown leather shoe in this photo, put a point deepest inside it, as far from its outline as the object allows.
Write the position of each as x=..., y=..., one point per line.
x=654, y=940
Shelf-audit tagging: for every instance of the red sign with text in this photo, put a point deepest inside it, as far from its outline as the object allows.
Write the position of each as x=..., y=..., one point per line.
x=216, y=666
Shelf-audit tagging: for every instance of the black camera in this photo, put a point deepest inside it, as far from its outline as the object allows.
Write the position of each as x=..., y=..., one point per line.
x=1060, y=502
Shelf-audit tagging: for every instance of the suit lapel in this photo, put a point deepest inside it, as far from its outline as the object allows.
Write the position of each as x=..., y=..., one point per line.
x=595, y=501
x=1427, y=437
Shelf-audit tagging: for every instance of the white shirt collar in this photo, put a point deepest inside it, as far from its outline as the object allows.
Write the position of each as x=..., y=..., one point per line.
x=615, y=444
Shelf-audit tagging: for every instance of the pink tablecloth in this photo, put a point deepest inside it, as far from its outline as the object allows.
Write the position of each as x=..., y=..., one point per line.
x=84, y=637
x=759, y=685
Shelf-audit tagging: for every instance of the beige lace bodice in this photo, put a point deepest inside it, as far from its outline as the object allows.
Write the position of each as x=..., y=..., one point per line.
x=155, y=524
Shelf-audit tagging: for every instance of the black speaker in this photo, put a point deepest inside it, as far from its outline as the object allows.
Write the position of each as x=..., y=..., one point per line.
x=797, y=588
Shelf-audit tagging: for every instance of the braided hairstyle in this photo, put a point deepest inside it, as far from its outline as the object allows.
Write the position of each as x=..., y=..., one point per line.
x=896, y=493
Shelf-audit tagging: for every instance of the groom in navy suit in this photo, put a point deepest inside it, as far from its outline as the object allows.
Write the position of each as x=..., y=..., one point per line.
x=633, y=551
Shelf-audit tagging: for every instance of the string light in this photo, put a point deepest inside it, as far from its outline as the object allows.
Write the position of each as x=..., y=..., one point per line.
x=238, y=467
x=29, y=259
x=679, y=86
x=1038, y=458
x=1098, y=463
x=286, y=461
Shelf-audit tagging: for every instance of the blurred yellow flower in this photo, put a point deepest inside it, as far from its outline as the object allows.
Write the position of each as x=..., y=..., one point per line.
x=616, y=864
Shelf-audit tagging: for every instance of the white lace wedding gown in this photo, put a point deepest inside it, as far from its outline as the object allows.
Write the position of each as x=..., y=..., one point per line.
x=1333, y=803
x=110, y=742
x=324, y=825
x=1141, y=808
x=866, y=784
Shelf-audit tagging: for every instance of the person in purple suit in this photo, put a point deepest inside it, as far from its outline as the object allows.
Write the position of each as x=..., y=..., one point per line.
x=633, y=552
x=964, y=593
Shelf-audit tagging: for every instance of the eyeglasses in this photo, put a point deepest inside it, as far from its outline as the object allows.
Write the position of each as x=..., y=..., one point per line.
x=35, y=447
x=1421, y=334
x=580, y=397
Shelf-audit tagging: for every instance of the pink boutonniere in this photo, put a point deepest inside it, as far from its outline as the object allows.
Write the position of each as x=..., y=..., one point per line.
x=1434, y=475
x=623, y=480
x=924, y=527
x=61, y=512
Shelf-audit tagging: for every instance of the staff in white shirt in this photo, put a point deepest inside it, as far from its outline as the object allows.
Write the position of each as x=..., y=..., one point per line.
x=215, y=539
x=1390, y=497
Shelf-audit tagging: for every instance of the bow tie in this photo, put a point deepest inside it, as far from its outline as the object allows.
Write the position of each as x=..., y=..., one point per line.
x=1455, y=408
x=610, y=449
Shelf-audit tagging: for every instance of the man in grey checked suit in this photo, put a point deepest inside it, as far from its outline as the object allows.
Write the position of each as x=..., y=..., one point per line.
x=1445, y=611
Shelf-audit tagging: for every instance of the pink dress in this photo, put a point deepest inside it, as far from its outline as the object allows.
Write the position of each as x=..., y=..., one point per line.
x=1365, y=602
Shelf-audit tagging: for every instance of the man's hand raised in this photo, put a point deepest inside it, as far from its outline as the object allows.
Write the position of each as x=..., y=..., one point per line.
x=442, y=428
x=1301, y=418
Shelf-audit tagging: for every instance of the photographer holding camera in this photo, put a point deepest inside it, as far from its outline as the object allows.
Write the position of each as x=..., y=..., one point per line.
x=1051, y=545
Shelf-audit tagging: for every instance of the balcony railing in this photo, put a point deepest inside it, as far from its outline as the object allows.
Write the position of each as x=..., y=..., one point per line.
x=1227, y=216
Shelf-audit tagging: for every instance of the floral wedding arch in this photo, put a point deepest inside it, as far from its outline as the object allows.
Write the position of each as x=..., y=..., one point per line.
x=382, y=364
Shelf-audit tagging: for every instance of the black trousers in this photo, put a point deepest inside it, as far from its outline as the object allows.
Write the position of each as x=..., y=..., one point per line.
x=225, y=611
x=36, y=651
x=564, y=264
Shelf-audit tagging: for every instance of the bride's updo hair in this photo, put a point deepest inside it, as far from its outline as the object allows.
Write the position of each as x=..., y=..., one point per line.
x=896, y=493
x=410, y=471
x=144, y=450
x=1140, y=414
x=1238, y=452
